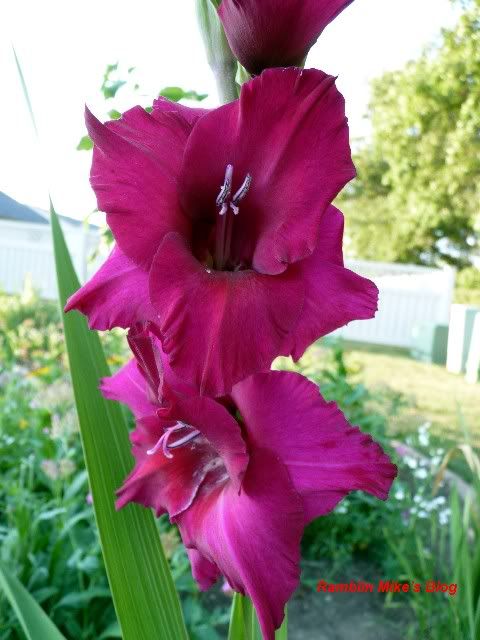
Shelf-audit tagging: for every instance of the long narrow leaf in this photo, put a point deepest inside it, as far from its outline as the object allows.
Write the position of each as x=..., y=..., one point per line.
x=35, y=622
x=236, y=629
x=144, y=595
x=25, y=92
x=244, y=622
x=282, y=633
x=256, y=632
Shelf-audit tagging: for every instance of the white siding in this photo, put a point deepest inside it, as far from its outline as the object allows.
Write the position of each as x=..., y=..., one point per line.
x=409, y=296
x=26, y=250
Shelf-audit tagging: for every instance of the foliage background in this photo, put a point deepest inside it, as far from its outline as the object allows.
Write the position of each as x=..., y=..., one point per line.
x=417, y=195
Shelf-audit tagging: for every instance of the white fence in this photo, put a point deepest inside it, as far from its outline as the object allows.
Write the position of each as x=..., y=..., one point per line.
x=409, y=296
x=26, y=251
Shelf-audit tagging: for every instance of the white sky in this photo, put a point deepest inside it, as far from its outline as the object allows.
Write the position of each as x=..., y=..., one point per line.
x=64, y=48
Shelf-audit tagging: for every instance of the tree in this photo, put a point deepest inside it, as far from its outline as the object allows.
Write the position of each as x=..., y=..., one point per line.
x=417, y=195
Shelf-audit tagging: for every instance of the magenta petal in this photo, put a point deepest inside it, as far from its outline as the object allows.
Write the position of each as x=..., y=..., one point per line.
x=204, y=572
x=191, y=115
x=325, y=456
x=148, y=351
x=116, y=296
x=265, y=34
x=161, y=483
x=219, y=327
x=252, y=537
x=334, y=295
x=136, y=163
x=149, y=356
x=330, y=236
x=289, y=132
x=128, y=386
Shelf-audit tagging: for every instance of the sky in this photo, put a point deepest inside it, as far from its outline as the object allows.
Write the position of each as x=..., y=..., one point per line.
x=64, y=47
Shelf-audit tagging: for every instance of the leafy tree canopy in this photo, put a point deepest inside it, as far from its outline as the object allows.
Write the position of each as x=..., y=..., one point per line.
x=417, y=195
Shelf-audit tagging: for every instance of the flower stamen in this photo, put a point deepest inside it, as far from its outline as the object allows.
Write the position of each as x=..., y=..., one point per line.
x=163, y=443
x=225, y=190
x=184, y=440
x=240, y=194
x=224, y=225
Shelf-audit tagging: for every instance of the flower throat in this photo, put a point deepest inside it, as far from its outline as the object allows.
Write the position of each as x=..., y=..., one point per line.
x=224, y=226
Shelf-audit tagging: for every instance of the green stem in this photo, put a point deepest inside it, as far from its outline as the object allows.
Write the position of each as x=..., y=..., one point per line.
x=225, y=80
x=244, y=623
x=219, y=56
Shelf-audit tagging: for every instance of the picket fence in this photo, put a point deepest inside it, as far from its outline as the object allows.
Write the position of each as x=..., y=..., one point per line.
x=409, y=295
x=26, y=251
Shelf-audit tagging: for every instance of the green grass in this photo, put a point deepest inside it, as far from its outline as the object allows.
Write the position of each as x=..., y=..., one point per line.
x=433, y=394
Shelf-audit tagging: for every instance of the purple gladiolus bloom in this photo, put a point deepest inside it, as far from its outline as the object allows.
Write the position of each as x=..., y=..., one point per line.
x=241, y=477
x=269, y=33
x=226, y=239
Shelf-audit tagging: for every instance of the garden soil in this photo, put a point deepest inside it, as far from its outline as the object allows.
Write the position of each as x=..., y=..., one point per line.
x=345, y=616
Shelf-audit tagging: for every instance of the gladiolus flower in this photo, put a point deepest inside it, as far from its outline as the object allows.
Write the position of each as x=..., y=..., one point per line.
x=242, y=477
x=226, y=239
x=269, y=33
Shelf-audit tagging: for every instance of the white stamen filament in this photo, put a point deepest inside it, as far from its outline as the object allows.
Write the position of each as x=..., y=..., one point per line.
x=241, y=193
x=226, y=188
x=184, y=440
x=163, y=444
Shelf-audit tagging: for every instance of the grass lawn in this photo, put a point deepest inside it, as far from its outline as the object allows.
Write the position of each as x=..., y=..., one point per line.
x=430, y=392
x=433, y=394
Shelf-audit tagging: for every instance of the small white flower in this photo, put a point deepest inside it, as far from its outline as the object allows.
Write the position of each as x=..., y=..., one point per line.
x=421, y=473
x=444, y=516
x=411, y=462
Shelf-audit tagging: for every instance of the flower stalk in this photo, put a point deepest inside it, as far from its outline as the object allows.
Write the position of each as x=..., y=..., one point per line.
x=220, y=58
x=229, y=253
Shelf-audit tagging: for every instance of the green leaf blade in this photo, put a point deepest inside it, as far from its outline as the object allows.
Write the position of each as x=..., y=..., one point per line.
x=143, y=592
x=144, y=595
x=236, y=630
x=244, y=623
x=33, y=619
x=282, y=633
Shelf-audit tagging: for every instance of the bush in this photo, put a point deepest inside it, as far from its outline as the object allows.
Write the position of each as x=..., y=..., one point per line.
x=467, y=289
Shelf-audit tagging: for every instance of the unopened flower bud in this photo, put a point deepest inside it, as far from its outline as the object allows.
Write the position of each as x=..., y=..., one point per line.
x=268, y=33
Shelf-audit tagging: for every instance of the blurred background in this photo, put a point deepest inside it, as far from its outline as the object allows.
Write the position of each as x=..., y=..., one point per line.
x=410, y=73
